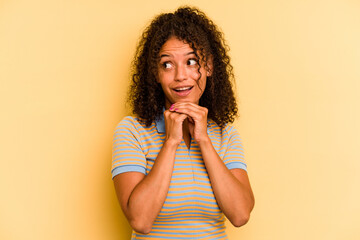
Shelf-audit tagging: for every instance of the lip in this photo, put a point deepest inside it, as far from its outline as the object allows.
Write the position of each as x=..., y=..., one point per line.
x=182, y=93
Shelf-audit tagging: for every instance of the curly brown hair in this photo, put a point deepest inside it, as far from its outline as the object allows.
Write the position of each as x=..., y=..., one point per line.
x=193, y=27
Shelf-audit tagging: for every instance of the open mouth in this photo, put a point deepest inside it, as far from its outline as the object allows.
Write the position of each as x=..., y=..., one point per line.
x=183, y=89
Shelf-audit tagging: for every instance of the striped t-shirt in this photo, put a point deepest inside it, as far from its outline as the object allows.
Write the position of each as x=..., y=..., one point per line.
x=190, y=210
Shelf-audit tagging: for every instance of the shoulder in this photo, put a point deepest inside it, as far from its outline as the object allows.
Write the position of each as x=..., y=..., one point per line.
x=130, y=122
x=132, y=125
x=228, y=129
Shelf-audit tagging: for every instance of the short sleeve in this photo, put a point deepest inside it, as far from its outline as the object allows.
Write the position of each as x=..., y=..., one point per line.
x=234, y=155
x=127, y=154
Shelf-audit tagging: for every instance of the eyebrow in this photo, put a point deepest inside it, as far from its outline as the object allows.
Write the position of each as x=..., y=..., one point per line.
x=166, y=55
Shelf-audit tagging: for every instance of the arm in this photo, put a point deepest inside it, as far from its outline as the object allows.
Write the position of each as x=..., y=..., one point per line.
x=141, y=196
x=231, y=188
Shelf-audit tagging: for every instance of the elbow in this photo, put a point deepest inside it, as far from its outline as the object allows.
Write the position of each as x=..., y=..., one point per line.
x=240, y=220
x=141, y=227
x=243, y=215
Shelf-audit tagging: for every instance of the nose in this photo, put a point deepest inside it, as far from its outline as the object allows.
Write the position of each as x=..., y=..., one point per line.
x=181, y=73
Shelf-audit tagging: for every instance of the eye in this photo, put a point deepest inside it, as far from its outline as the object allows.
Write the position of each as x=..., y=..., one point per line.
x=166, y=65
x=192, y=62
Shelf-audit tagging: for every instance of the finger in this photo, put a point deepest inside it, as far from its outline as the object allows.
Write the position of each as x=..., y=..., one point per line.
x=166, y=113
x=178, y=104
x=181, y=117
x=194, y=107
x=185, y=104
x=173, y=106
x=177, y=117
x=194, y=112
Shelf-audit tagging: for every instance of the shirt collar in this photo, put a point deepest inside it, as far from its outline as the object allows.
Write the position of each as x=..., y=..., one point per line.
x=160, y=123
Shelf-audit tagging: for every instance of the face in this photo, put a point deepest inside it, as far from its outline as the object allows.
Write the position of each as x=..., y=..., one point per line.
x=178, y=73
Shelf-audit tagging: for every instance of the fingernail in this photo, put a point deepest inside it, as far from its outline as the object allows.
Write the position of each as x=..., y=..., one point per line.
x=171, y=107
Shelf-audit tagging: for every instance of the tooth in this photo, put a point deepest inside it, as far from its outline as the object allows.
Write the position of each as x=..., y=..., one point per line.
x=184, y=88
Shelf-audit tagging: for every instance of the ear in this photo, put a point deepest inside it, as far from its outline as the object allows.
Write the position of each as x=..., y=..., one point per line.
x=209, y=66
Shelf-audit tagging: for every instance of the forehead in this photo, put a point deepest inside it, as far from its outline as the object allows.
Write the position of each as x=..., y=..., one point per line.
x=174, y=45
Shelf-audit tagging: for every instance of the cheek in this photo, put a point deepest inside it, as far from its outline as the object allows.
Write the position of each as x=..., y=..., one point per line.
x=202, y=81
x=160, y=79
x=194, y=74
x=164, y=83
x=164, y=78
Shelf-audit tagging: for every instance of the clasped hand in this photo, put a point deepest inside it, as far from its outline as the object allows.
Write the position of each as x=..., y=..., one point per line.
x=197, y=121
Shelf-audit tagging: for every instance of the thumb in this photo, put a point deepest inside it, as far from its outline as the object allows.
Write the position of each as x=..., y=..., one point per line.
x=190, y=119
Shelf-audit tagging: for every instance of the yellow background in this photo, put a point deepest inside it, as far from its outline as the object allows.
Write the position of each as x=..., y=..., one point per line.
x=64, y=70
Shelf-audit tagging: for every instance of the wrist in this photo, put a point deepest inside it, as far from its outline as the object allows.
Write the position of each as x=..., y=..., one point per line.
x=171, y=143
x=203, y=142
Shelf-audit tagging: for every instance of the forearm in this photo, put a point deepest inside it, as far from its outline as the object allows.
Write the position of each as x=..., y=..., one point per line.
x=148, y=197
x=233, y=197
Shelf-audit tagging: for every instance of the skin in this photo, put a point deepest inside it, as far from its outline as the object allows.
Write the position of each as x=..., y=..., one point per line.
x=178, y=68
x=142, y=196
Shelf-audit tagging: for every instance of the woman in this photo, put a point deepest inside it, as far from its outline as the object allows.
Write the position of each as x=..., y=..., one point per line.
x=178, y=166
